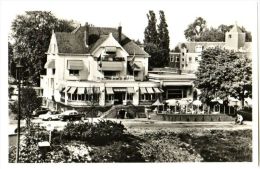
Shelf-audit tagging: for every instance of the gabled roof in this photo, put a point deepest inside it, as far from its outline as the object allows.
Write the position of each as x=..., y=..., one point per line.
x=74, y=42
x=236, y=29
x=98, y=42
x=71, y=43
x=133, y=49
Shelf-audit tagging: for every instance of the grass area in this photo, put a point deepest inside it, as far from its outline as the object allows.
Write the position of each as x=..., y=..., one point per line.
x=197, y=145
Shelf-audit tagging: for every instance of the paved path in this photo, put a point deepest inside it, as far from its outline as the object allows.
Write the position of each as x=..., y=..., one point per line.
x=144, y=123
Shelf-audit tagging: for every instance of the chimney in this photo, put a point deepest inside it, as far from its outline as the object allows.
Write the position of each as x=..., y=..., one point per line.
x=86, y=34
x=119, y=34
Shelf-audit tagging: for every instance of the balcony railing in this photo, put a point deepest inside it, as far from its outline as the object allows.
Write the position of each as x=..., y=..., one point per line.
x=130, y=78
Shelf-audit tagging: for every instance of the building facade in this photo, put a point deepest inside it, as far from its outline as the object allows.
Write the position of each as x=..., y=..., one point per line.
x=97, y=66
x=190, y=52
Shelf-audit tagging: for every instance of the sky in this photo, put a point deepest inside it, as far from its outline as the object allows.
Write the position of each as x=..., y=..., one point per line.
x=131, y=15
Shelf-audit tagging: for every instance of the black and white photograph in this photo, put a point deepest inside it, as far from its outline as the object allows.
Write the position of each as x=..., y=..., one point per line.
x=140, y=82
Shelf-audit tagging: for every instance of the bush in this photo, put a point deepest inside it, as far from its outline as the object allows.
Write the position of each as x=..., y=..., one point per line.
x=101, y=133
x=246, y=113
x=117, y=152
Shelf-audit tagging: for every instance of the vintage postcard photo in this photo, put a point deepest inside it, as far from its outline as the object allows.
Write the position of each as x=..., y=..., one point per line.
x=130, y=82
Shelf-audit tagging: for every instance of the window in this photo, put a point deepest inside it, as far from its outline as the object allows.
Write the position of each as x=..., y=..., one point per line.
x=74, y=72
x=230, y=36
x=88, y=97
x=69, y=96
x=196, y=59
x=190, y=59
x=95, y=97
x=186, y=65
x=148, y=96
x=129, y=96
x=175, y=93
x=183, y=59
x=182, y=65
x=177, y=59
x=142, y=96
x=74, y=96
x=109, y=97
x=53, y=71
x=182, y=53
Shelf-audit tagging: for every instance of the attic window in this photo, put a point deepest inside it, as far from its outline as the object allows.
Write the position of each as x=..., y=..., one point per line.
x=230, y=36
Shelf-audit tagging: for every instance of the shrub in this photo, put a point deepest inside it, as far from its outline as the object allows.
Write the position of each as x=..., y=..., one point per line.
x=117, y=152
x=101, y=133
x=246, y=113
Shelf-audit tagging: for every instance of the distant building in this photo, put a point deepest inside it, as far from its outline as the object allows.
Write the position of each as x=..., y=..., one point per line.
x=188, y=59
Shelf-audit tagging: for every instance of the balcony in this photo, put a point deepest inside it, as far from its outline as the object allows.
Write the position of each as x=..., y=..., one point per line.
x=112, y=66
x=117, y=78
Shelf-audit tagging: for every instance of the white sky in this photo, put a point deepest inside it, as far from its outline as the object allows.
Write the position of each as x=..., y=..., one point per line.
x=132, y=14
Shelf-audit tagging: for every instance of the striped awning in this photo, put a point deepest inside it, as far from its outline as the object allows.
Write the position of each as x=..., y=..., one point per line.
x=156, y=90
x=109, y=90
x=50, y=64
x=72, y=90
x=143, y=90
x=150, y=90
x=81, y=90
x=67, y=89
x=96, y=90
x=63, y=90
x=89, y=90
x=75, y=64
x=130, y=90
x=119, y=89
x=112, y=66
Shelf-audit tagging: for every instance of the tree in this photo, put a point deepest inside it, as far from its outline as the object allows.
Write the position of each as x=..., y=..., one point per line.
x=163, y=41
x=151, y=39
x=198, y=32
x=195, y=29
x=212, y=35
x=11, y=61
x=157, y=41
x=150, y=32
x=29, y=102
x=31, y=33
x=224, y=73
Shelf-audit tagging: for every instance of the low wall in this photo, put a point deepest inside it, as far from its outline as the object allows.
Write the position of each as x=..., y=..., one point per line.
x=195, y=117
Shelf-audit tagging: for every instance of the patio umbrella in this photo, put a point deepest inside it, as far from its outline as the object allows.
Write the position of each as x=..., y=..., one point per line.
x=172, y=102
x=197, y=103
x=184, y=102
x=157, y=103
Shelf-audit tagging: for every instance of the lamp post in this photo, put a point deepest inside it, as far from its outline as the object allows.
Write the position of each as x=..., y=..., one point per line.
x=18, y=73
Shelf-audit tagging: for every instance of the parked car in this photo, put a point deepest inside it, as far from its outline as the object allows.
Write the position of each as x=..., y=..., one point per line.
x=71, y=115
x=39, y=111
x=50, y=115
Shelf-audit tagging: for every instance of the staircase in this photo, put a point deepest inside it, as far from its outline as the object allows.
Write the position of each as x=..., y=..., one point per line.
x=132, y=109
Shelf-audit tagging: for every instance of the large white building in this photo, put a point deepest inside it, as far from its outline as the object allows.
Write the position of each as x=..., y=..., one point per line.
x=100, y=66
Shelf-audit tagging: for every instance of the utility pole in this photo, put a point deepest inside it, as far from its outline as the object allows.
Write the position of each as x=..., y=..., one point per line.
x=18, y=72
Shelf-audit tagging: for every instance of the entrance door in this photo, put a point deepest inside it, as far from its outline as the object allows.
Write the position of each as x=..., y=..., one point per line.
x=119, y=97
